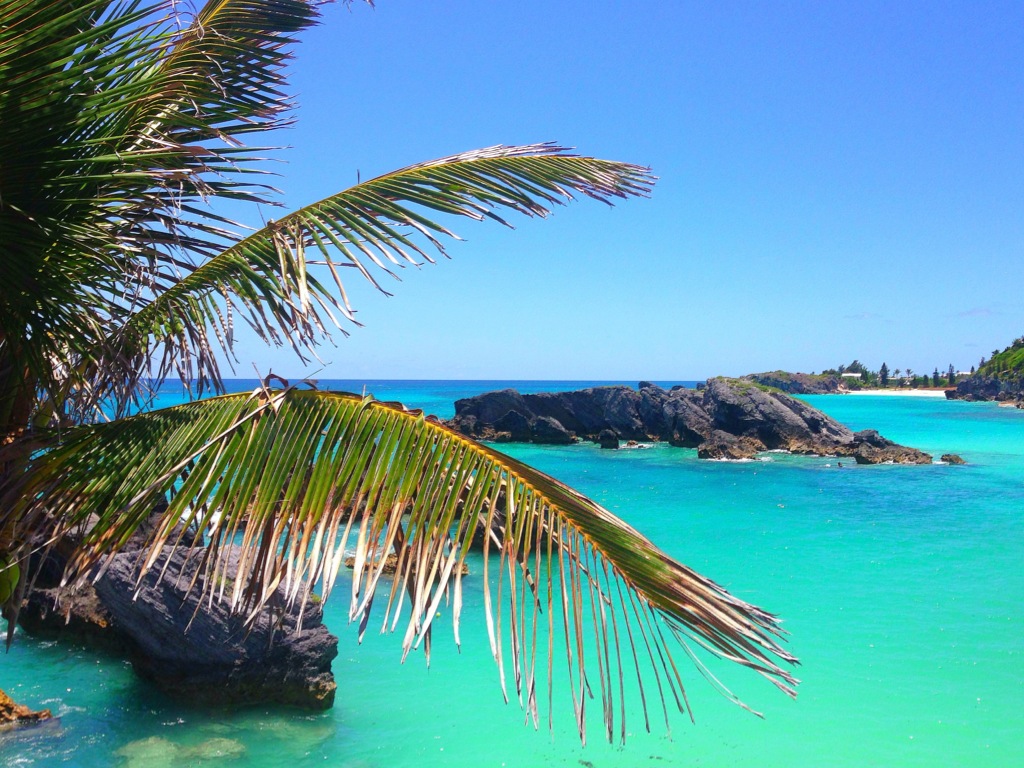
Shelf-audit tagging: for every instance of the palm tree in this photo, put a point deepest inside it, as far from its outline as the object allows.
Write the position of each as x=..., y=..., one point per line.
x=120, y=120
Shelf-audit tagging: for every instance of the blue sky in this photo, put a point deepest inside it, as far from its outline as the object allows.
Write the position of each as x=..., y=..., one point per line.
x=837, y=180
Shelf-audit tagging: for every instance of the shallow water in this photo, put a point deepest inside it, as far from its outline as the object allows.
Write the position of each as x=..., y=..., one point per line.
x=901, y=588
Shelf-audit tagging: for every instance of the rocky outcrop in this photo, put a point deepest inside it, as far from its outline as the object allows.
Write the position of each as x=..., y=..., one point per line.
x=204, y=653
x=13, y=714
x=201, y=654
x=952, y=458
x=983, y=388
x=871, y=448
x=53, y=611
x=725, y=419
x=797, y=383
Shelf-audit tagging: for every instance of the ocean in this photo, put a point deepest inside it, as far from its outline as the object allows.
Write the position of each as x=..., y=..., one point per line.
x=901, y=587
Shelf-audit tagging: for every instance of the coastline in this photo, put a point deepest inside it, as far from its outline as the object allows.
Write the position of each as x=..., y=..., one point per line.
x=897, y=392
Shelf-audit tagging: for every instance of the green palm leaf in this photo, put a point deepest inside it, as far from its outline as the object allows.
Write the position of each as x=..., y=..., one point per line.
x=375, y=227
x=313, y=473
x=118, y=121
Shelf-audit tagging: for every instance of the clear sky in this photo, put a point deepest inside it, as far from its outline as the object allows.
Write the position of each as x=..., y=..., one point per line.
x=837, y=180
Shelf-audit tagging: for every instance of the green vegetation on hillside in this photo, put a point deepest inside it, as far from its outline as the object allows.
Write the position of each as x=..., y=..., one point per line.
x=1006, y=364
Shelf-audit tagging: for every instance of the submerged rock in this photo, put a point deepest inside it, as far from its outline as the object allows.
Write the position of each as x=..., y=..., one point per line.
x=151, y=752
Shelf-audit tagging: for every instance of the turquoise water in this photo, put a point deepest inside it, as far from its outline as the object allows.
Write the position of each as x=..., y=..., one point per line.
x=901, y=587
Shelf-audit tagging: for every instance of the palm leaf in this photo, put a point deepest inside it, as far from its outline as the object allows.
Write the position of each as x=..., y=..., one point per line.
x=285, y=280
x=117, y=119
x=299, y=476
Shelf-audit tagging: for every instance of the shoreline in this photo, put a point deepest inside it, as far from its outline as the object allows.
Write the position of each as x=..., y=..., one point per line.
x=897, y=392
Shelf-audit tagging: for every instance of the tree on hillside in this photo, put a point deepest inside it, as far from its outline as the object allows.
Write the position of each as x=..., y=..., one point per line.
x=951, y=375
x=119, y=121
x=883, y=375
x=935, y=377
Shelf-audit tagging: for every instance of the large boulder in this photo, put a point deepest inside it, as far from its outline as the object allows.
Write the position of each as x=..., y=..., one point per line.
x=723, y=446
x=512, y=427
x=201, y=652
x=871, y=448
x=548, y=431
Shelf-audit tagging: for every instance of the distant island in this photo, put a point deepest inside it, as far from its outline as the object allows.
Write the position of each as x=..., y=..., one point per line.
x=723, y=419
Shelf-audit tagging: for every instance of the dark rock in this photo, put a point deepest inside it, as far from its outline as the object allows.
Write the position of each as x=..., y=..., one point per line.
x=650, y=408
x=686, y=422
x=727, y=418
x=952, y=458
x=76, y=613
x=491, y=408
x=778, y=421
x=978, y=388
x=206, y=655
x=515, y=425
x=723, y=446
x=548, y=431
x=57, y=612
x=871, y=448
x=797, y=383
x=608, y=439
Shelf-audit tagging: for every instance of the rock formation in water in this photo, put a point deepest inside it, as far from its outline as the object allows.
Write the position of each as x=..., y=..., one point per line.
x=13, y=714
x=726, y=419
x=203, y=656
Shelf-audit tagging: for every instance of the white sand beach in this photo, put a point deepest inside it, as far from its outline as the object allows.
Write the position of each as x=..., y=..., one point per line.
x=897, y=392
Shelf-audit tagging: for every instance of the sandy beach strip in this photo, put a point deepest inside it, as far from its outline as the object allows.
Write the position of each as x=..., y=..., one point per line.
x=897, y=392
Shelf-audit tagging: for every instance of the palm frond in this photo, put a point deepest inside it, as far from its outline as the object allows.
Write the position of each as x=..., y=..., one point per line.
x=285, y=280
x=297, y=477
x=118, y=121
